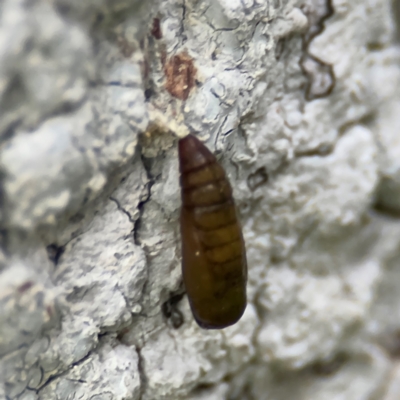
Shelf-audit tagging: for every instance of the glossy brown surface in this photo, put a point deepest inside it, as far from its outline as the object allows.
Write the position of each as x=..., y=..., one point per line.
x=213, y=252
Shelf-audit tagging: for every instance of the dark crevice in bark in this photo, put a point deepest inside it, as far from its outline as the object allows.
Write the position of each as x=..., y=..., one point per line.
x=142, y=374
x=122, y=209
x=56, y=376
x=321, y=77
x=150, y=182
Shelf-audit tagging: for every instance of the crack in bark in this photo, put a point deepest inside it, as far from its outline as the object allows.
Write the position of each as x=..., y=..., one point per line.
x=325, y=150
x=386, y=210
x=142, y=374
x=135, y=229
x=321, y=77
x=122, y=209
x=58, y=375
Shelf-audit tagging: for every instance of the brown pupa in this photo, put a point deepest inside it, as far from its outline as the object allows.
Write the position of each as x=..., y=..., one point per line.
x=213, y=253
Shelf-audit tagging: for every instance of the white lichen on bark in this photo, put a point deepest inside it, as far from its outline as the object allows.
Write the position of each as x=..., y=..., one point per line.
x=300, y=101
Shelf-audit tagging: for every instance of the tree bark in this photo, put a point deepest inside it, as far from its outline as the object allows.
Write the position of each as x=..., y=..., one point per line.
x=300, y=102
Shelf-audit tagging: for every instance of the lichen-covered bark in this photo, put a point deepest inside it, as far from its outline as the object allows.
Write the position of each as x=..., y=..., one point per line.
x=299, y=100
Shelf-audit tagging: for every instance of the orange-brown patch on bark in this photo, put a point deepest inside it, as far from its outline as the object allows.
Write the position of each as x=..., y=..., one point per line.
x=180, y=73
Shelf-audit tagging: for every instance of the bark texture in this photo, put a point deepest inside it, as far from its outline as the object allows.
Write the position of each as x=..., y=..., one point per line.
x=299, y=100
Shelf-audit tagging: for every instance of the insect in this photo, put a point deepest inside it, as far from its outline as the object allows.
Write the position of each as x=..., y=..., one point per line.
x=214, y=263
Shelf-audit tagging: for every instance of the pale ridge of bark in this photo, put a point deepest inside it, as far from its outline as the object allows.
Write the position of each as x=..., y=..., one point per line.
x=299, y=100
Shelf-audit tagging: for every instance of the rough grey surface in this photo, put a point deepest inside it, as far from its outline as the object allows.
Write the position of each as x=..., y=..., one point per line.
x=300, y=102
